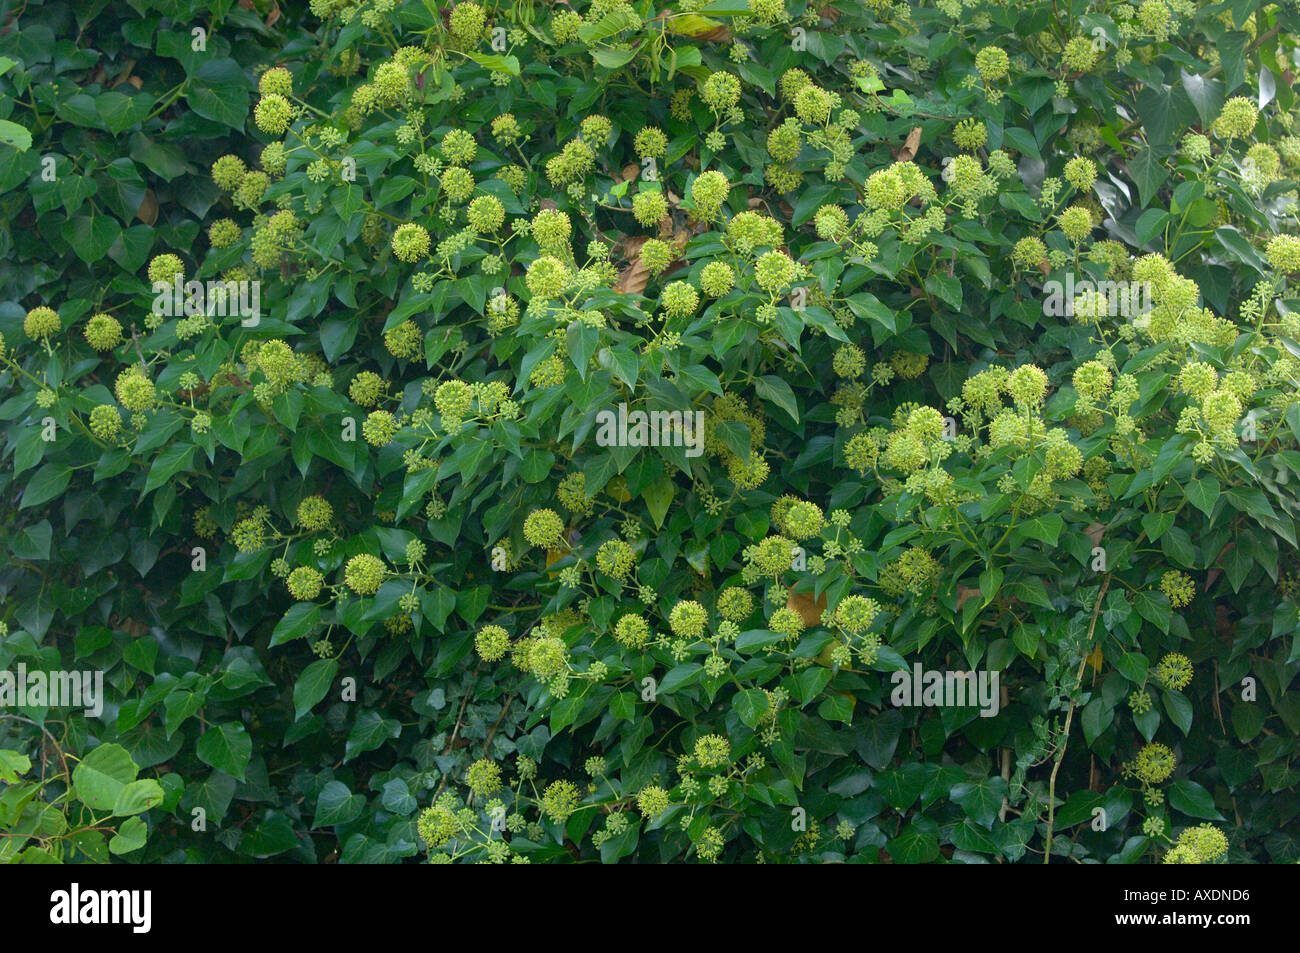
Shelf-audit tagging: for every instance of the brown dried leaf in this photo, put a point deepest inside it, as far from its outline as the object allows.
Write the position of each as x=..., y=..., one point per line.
x=809, y=609
x=964, y=593
x=635, y=276
x=1094, y=533
x=631, y=172
x=910, y=145
x=148, y=210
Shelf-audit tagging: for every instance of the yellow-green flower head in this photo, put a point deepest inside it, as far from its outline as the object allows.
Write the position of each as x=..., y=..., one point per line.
x=717, y=279
x=1265, y=160
x=652, y=802
x=513, y=176
x=773, y=555
x=252, y=188
x=276, y=81
x=803, y=520
x=485, y=214
x=505, y=129
x=786, y=621
x=1154, y=16
x=437, y=825
x=1203, y=844
x=925, y=423
x=560, y=800
x=565, y=25
x=712, y=751
x=615, y=558
x=1197, y=379
x=650, y=143
x=459, y=147
x=914, y=571
x=970, y=134
x=968, y=180
x=1154, y=763
x=404, y=340
x=135, y=391
x=1081, y=173
x=1027, y=386
x=457, y=183
x=992, y=63
x=547, y=277
x=785, y=141
x=632, y=631
x=105, y=422
x=1174, y=671
x=1237, y=119
x=855, y=614
x=597, y=131
x=832, y=223
x=364, y=574
x=1079, y=56
x=276, y=360
x=410, y=242
x=775, y=271
x=273, y=114
x=379, y=428
x=1221, y=410
x=1195, y=147
x=483, y=778
x=544, y=528
x=1028, y=252
x=1093, y=381
x=492, y=642
x=249, y=535
x=1076, y=223
x=314, y=513
x=223, y=233
x=720, y=91
x=688, y=619
x=849, y=361
x=679, y=299
x=304, y=583
x=166, y=268
x=709, y=191
x=467, y=21
x=768, y=11
x=1283, y=253
x=366, y=388
x=735, y=604
x=41, y=323
x=885, y=190
x=1179, y=587
x=648, y=207
x=551, y=229
x=228, y=172
x=813, y=105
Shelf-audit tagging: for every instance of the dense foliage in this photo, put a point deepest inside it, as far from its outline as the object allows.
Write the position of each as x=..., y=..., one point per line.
x=985, y=312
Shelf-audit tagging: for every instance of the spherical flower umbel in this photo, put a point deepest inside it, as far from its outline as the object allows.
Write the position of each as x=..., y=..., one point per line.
x=712, y=751
x=543, y=528
x=491, y=642
x=650, y=143
x=41, y=323
x=717, y=279
x=410, y=242
x=735, y=604
x=314, y=513
x=1027, y=386
x=105, y=422
x=1076, y=223
x=688, y=619
x=652, y=802
x=273, y=114
x=992, y=63
x=560, y=800
x=1174, y=671
x=483, y=778
x=304, y=583
x=1237, y=119
x=364, y=574
x=1283, y=253
x=467, y=21
x=134, y=390
x=1154, y=763
x=632, y=631
x=1179, y=587
x=709, y=191
x=228, y=172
